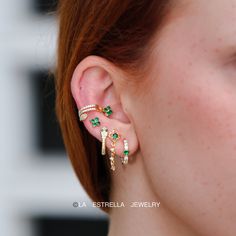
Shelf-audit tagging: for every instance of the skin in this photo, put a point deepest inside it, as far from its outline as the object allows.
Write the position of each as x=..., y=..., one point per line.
x=180, y=121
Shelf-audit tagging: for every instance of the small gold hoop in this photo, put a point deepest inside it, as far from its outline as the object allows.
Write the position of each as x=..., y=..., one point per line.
x=125, y=158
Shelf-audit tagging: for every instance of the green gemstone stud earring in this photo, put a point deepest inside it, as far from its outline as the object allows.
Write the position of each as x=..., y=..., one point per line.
x=95, y=122
x=107, y=111
x=114, y=135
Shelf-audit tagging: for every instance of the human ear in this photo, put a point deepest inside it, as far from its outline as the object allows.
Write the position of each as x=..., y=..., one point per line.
x=98, y=81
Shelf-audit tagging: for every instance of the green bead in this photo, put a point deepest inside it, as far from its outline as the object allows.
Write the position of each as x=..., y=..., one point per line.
x=126, y=152
x=115, y=135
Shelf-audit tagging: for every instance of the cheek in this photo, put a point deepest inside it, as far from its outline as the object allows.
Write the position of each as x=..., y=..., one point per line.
x=190, y=152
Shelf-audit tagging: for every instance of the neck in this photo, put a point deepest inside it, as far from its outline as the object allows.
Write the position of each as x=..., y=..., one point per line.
x=132, y=187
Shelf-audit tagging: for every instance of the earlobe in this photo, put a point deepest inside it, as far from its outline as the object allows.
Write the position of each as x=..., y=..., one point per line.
x=94, y=87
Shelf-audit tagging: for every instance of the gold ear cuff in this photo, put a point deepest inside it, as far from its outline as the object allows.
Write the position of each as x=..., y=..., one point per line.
x=107, y=111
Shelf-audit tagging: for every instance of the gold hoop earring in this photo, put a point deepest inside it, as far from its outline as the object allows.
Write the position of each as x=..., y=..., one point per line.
x=126, y=152
x=104, y=134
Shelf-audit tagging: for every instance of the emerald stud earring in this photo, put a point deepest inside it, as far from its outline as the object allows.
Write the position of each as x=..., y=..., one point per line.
x=114, y=135
x=107, y=111
x=95, y=122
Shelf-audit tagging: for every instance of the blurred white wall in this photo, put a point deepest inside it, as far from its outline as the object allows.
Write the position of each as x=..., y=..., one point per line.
x=29, y=185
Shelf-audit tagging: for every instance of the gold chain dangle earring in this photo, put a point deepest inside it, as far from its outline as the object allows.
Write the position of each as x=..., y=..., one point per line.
x=114, y=136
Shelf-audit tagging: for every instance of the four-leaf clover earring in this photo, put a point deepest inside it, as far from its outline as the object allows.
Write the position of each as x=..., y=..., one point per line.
x=107, y=111
x=95, y=122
